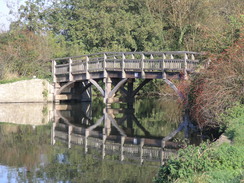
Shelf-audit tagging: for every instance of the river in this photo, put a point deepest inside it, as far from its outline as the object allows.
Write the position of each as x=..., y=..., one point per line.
x=87, y=142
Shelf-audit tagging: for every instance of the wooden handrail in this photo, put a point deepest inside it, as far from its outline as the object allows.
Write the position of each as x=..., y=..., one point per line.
x=130, y=53
x=141, y=62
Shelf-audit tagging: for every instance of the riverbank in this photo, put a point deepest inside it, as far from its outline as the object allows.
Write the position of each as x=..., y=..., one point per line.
x=213, y=162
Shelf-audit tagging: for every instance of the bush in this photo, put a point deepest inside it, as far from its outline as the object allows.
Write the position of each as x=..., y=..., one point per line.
x=23, y=54
x=210, y=162
x=218, y=88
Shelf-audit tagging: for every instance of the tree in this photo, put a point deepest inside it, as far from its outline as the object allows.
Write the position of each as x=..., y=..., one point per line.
x=24, y=53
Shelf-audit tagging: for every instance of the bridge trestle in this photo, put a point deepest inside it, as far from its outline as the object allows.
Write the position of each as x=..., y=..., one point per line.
x=74, y=76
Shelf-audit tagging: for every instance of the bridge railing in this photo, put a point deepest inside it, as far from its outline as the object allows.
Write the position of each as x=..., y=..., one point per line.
x=126, y=61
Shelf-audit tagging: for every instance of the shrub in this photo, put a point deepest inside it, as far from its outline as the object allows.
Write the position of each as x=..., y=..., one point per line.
x=218, y=88
x=24, y=54
x=211, y=162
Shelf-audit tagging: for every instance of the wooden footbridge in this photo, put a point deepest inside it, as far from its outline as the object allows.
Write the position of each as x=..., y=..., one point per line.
x=74, y=76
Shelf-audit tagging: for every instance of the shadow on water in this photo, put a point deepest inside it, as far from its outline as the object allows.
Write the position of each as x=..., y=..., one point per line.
x=90, y=143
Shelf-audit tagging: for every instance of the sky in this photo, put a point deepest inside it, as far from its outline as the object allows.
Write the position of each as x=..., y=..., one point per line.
x=5, y=17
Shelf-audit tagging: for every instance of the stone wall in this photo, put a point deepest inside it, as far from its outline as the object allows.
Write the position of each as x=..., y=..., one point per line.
x=34, y=90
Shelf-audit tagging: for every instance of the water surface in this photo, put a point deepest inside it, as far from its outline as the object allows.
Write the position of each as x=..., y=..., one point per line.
x=86, y=142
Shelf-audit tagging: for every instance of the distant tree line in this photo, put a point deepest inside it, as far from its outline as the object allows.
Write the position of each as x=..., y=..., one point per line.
x=140, y=25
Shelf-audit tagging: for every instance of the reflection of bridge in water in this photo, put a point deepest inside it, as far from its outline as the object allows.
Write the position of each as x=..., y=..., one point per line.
x=109, y=134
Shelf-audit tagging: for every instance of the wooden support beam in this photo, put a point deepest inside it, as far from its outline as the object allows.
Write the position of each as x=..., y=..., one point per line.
x=97, y=86
x=114, y=123
x=107, y=90
x=147, y=133
x=181, y=96
x=116, y=88
x=64, y=86
x=67, y=97
x=123, y=90
x=99, y=122
x=86, y=87
x=140, y=87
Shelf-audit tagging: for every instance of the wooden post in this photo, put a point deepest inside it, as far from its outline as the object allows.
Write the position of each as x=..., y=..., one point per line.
x=192, y=63
x=123, y=66
x=151, y=64
x=105, y=74
x=122, y=157
x=162, y=152
x=70, y=70
x=163, y=67
x=107, y=90
x=53, y=131
x=141, y=150
x=87, y=68
x=70, y=129
x=56, y=85
x=104, y=146
x=142, y=66
x=87, y=133
x=54, y=71
x=130, y=98
x=185, y=66
x=107, y=123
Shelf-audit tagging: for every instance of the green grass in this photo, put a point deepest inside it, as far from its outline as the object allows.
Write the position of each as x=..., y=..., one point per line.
x=211, y=163
x=14, y=80
x=5, y=81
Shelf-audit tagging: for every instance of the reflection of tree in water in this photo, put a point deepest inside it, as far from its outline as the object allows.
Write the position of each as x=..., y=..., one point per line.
x=158, y=116
x=150, y=117
x=97, y=108
x=22, y=145
x=72, y=165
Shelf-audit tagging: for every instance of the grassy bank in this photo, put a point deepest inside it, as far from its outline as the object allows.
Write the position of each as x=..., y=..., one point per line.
x=14, y=80
x=214, y=162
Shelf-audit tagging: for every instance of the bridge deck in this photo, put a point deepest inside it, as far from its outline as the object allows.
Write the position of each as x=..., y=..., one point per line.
x=148, y=65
